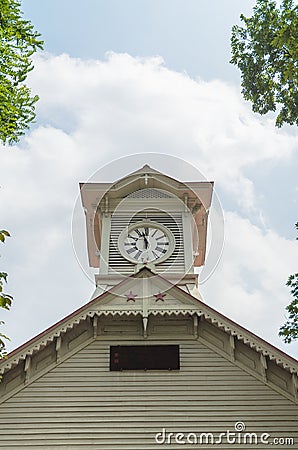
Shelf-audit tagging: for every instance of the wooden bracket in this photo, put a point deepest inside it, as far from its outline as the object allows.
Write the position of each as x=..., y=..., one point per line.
x=195, y=326
x=27, y=368
x=295, y=385
x=185, y=203
x=232, y=347
x=106, y=206
x=58, y=348
x=145, y=324
x=264, y=367
x=95, y=325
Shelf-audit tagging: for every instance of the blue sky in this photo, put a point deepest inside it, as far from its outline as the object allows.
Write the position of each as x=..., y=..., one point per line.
x=142, y=78
x=191, y=35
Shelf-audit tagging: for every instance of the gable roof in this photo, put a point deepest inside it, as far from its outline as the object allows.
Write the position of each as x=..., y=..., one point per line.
x=139, y=295
x=105, y=197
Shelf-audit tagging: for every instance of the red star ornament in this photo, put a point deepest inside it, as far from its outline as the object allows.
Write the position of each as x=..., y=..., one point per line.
x=159, y=296
x=130, y=297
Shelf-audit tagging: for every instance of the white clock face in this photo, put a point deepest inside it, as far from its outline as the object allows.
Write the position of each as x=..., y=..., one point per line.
x=146, y=242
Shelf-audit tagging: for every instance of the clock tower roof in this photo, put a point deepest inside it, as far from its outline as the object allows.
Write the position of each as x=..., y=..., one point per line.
x=94, y=194
x=149, y=188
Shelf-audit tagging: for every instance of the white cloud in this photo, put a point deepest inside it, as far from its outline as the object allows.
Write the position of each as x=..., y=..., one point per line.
x=125, y=105
x=249, y=285
x=93, y=111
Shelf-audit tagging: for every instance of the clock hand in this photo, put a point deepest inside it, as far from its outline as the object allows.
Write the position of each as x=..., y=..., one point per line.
x=145, y=240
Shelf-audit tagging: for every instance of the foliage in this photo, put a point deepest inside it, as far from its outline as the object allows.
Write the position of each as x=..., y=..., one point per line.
x=5, y=299
x=266, y=52
x=289, y=331
x=18, y=42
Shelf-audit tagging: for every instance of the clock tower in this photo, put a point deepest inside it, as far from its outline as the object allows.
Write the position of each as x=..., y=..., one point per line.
x=145, y=363
x=146, y=219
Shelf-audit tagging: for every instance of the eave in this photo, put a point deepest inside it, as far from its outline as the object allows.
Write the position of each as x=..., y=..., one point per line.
x=103, y=306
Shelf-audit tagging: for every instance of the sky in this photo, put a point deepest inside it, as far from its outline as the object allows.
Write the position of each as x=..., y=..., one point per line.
x=122, y=84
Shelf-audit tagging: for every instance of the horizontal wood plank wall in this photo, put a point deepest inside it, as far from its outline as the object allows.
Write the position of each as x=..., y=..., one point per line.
x=82, y=405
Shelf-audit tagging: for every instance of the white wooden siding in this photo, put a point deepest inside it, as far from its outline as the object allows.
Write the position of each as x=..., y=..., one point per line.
x=82, y=405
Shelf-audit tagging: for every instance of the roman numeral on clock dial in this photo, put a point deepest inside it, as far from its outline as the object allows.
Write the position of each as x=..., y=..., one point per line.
x=147, y=243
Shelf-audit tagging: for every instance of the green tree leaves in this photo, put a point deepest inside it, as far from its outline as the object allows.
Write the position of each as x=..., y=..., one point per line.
x=5, y=299
x=289, y=331
x=18, y=42
x=266, y=52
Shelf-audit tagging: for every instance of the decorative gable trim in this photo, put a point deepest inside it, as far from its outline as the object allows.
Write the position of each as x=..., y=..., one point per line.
x=243, y=335
x=214, y=330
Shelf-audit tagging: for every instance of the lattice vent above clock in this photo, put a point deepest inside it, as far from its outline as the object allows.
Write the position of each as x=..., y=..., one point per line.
x=150, y=193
